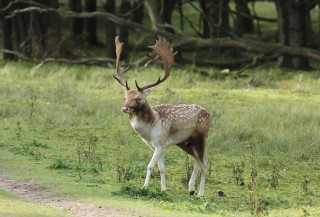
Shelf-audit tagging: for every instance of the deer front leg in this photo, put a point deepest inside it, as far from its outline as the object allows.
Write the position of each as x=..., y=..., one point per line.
x=158, y=151
x=161, y=170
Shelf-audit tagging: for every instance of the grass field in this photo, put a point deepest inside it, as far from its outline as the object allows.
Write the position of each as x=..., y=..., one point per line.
x=10, y=206
x=62, y=126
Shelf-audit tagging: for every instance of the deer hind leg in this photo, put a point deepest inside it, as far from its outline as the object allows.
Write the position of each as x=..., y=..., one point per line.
x=192, y=181
x=195, y=146
x=203, y=176
x=198, y=148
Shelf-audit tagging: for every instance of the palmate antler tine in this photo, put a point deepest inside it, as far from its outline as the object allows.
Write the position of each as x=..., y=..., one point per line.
x=119, y=70
x=163, y=49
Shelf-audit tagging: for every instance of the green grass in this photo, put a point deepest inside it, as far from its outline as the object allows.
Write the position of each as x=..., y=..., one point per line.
x=10, y=206
x=53, y=116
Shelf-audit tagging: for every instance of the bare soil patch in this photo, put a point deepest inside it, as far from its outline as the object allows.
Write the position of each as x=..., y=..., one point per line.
x=36, y=193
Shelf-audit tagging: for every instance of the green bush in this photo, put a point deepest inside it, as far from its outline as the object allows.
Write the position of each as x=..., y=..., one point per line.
x=60, y=164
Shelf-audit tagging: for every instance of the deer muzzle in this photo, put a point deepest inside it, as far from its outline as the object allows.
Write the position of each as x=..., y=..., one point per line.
x=126, y=109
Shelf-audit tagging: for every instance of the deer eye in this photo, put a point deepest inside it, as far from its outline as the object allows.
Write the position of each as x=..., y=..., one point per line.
x=138, y=100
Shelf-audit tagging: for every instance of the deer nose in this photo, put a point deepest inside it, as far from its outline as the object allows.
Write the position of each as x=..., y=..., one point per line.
x=125, y=109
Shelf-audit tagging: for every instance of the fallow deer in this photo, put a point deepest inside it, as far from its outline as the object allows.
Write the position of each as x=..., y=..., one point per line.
x=185, y=125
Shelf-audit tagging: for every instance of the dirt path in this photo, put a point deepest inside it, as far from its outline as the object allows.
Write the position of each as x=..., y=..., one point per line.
x=38, y=194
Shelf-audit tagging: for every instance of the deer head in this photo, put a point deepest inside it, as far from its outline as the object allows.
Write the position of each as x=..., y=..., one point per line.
x=135, y=99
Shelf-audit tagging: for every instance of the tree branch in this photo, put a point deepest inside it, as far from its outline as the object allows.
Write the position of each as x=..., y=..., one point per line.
x=267, y=48
x=17, y=54
x=84, y=61
x=108, y=16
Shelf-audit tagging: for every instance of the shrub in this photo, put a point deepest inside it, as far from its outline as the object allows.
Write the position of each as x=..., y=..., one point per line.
x=60, y=164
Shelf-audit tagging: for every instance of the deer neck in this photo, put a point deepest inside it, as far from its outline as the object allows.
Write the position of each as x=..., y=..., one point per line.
x=143, y=115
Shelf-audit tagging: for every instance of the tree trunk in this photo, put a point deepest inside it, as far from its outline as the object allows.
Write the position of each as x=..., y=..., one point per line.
x=110, y=7
x=215, y=18
x=298, y=34
x=7, y=42
x=124, y=32
x=223, y=19
x=206, y=7
x=283, y=30
x=168, y=7
x=52, y=31
x=243, y=24
x=55, y=24
x=77, y=23
x=20, y=28
x=180, y=9
x=154, y=14
x=137, y=15
x=294, y=30
x=6, y=34
x=45, y=31
x=90, y=24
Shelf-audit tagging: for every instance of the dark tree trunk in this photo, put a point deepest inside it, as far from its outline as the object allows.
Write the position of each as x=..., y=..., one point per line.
x=37, y=33
x=124, y=32
x=53, y=32
x=20, y=28
x=283, y=30
x=166, y=16
x=6, y=33
x=77, y=23
x=206, y=8
x=168, y=7
x=55, y=24
x=309, y=35
x=45, y=31
x=318, y=20
x=294, y=30
x=7, y=42
x=154, y=14
x=223, y=19
x=110, y=7
x=138, y=13
x=298, y=33
x=90, y=24
x=215, y=18
x=243, y=24
x=180, y=9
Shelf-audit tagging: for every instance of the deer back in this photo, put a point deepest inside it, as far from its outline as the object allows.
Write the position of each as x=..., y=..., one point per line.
x=181, y=121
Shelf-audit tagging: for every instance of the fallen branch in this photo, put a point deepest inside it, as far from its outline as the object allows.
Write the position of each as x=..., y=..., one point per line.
x=83, y=61
x=266, y=48
x=17, y=54
x=255, y=62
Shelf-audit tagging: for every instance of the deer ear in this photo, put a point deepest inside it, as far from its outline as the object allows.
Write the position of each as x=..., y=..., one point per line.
x=147, y=91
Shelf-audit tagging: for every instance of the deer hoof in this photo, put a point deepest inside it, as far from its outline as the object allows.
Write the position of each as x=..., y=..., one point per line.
x=191, y=192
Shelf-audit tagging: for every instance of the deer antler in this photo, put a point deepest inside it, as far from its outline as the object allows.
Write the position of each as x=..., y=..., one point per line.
x=163, y=49
x=120, y=71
